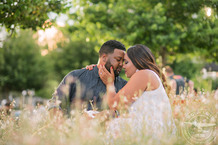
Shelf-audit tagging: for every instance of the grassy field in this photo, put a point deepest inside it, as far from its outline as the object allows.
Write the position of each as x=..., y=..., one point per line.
x=35, y=127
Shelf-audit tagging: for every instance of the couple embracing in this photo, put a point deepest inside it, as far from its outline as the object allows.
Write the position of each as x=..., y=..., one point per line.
x=144, y=96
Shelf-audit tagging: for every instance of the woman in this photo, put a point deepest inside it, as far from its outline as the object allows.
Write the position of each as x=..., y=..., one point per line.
x=144, y=96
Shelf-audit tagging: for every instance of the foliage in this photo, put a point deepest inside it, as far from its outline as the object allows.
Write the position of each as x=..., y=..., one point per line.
x=167, y=27
x=73, y=55
x=207, y=84
x=28, y=13
x=191, y=68
x=186, y=67
x=170, y=28
x=22, y=66
x=202, y=36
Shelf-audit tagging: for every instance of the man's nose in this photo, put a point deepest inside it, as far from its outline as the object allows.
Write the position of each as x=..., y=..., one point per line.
x=123, y=66
x=121, y=63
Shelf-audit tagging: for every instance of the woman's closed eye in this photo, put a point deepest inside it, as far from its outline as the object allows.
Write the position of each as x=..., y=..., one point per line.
x=125, y=62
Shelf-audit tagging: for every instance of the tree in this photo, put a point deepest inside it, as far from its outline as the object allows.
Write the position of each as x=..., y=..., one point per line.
x=73, y=55
x=167, y=27
x=29, y=13
x=21, y=64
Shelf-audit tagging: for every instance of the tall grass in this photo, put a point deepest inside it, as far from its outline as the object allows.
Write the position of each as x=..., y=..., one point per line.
x=33, y=127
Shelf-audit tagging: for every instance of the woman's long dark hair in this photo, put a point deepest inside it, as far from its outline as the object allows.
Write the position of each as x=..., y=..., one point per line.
x=142, y=58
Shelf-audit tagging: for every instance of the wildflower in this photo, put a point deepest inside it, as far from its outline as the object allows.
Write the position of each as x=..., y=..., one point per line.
x=91, y=113
x=3, y=126
x=216, y=106
x=177, y=109
x=72, y=112
x=125, y=99
x=115, y=104
x=135, y=98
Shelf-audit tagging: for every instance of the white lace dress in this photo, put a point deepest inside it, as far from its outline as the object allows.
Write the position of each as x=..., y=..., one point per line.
x=150, y=115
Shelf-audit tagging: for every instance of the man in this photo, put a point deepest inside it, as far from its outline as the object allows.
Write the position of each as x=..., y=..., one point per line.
x=86, y=86
x=177, y=82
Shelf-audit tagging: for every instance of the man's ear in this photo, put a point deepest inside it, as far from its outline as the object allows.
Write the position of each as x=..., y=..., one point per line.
x=104, y=58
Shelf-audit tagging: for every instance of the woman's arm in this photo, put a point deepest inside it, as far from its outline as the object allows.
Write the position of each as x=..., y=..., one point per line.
x=138, y=83
x=128, y=94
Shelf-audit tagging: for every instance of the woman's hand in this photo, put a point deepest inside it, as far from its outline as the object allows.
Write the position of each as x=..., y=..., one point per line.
x=106, y=76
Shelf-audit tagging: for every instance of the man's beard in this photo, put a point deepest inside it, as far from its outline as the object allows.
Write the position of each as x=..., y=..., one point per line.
x=108, y=65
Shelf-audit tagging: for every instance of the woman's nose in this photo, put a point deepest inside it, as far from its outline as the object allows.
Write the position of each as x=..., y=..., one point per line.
x=124, y=66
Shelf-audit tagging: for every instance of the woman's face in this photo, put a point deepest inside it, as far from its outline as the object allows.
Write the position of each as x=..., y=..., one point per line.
x=128, y=66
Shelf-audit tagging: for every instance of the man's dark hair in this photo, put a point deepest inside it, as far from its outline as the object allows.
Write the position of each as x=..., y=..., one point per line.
x=109, y=46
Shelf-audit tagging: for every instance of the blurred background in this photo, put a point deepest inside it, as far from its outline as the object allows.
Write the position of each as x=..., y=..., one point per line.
x=42, y=40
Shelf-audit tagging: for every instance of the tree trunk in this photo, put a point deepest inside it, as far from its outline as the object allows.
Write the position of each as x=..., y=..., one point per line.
x=163, y=54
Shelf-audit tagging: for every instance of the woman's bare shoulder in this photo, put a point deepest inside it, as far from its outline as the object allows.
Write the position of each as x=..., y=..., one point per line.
x=144, y=73
x=148, y=77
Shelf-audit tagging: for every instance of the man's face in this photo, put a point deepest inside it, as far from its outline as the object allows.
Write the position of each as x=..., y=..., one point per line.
x=116, y=61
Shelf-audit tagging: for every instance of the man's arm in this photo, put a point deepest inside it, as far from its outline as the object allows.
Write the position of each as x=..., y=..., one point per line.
x=60, y=98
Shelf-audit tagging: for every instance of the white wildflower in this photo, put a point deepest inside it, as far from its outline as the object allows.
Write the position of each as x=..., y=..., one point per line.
x=216, y=106
x=125, y=100
x=135, y=98
x=3, y=126
x=182, y=97
x=58, y=102
x=177, y=109
x=115, y=104
x=72, y=112
x=91, y=113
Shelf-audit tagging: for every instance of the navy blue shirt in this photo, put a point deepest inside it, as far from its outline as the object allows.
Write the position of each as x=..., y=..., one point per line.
x=85, y=85
x=180, y=83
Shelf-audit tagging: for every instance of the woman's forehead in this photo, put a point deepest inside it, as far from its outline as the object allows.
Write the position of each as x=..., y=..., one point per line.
x=126, y=56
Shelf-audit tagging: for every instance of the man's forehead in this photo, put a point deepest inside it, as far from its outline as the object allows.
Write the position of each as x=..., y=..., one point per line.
x=119, y=53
